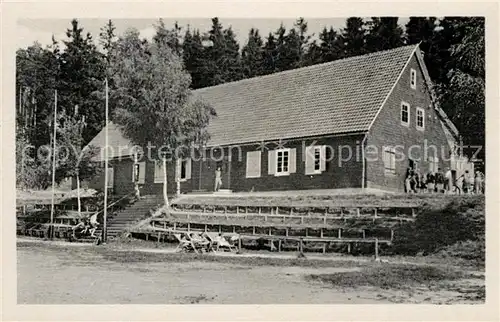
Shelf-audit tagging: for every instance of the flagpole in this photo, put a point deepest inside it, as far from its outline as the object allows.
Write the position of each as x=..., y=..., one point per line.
x=105, y=215
x=51, y=231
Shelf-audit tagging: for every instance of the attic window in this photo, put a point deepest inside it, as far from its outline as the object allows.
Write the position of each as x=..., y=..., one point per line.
x=405, y=114
x=413, y=79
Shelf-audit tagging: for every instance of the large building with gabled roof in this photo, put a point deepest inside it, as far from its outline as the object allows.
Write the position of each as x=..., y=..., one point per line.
x=359, y=122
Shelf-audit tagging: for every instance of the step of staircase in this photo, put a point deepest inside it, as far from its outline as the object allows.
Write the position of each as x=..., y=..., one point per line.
x=119, y=221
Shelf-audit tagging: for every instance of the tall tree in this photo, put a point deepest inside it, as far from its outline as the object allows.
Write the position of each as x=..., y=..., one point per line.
x=82, y=74
x=463, y=96
x=313, y=55
x=161, y=103
x=193, y=57
x=354, y=37
x=107, y=37
x=281, y=51
x=222, y=62
x=252, y=55
x=384, y=33
x=332, y=45
x=231, y=64
x=172, y=37
x=270, y=55
x=420, y=29
x=36, y=80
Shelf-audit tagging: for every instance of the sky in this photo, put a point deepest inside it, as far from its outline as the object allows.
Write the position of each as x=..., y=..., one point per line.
x=41, y=30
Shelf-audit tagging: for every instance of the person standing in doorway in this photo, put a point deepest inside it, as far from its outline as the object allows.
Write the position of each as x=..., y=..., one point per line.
x=218, y=180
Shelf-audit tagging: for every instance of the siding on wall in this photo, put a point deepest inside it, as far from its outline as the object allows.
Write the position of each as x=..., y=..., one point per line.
x=387, y=130
x=343, y=174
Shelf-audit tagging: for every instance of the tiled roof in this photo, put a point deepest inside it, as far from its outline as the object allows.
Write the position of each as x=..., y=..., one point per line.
x=337, y=97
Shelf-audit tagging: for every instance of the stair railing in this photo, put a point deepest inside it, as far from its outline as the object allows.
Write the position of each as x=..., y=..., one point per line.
x=115, y=202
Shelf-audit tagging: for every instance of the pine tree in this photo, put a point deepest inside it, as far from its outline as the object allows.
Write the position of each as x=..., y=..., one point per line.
x=384, y=33
x=313, y=55
x=304, y=38
x=82, y=74
x=107, y=37
x=231, y=63
x=222, y=62
x=252, y=55
x=192, y=53
x=280, y=59
x=354, y=37
x=270, y=55
x=170, y=36
x=332, y=45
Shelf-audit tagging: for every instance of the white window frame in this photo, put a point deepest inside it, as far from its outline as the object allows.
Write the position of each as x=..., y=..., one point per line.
x=390, y=152
x=421, y=110
x=407, y=123
x=318, y=149
x=282, y=173
x=413, y=78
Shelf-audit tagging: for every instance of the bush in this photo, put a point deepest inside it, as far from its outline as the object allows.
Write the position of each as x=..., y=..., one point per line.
x=459, y=223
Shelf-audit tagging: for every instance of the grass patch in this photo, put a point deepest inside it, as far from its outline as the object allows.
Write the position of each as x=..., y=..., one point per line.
x=390, y=276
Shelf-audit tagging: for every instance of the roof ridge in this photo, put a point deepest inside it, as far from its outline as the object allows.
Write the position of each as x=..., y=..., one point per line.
x=296, y=70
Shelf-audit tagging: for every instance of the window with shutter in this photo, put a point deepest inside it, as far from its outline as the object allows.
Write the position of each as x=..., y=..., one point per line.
x=253, y=164
x=142, y=172
x=183, y=169
x=315, y=159
x=282, y=162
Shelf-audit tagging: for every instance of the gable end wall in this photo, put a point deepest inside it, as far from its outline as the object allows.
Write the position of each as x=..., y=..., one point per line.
x=387, y=130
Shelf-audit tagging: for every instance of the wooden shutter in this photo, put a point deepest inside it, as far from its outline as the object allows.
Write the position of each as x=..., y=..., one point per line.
x=142, y=172
x=322, y=166
x=253, y=164
x=158, y=172
x=309, y=159
x=188, y=169
x=271, y=162
x=292, y=161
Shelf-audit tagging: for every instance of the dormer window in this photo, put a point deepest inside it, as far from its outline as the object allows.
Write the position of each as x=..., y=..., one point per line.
x=413, y=79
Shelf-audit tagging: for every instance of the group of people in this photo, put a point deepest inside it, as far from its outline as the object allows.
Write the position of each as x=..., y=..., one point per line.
x=439, y=182
x=86, y=226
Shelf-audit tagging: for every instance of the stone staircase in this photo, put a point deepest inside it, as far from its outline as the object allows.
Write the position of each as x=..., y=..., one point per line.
x=130, y=215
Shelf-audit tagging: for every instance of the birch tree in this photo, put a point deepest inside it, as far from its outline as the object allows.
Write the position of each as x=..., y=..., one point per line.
x=153, y=100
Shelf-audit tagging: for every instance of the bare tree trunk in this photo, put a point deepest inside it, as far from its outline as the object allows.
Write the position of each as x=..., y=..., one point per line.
x=78, y=195
x=165, y=195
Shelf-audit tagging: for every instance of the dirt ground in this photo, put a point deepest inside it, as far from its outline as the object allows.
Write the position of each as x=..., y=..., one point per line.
x=86, y=274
